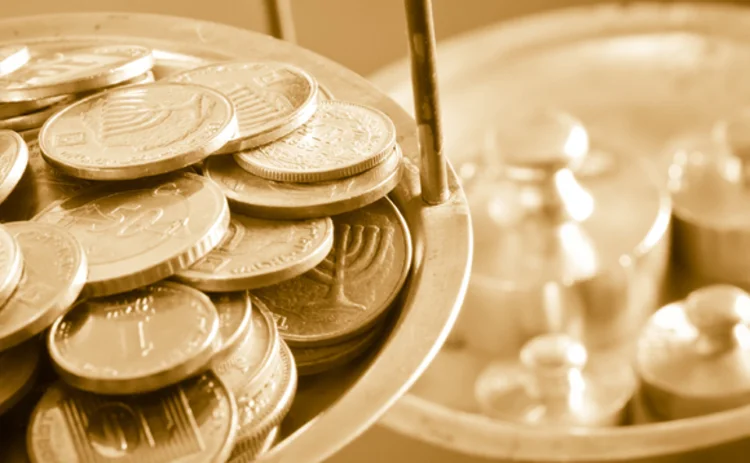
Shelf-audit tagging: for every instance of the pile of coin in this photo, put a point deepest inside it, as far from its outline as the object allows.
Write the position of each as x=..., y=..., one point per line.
x=184, y=248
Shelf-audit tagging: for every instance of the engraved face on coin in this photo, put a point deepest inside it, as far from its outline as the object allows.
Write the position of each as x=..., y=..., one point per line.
x=74, y=71
x=192, y=422
x=140, y=232
x=14, y=157
x=257, y=253
x=136, y=342
x=340, y=140
x=353, y=287
x=19, y=367
x=235, y=321
x=13, y=58
x=54, y=273
x=259, y=197
x=138, y=131
x=271, y=99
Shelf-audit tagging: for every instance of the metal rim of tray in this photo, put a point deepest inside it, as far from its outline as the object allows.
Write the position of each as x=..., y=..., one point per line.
x=472, y=434
x=439, y=274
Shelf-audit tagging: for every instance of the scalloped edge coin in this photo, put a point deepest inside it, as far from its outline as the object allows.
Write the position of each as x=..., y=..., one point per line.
x=14, y=158
x=13, y=58
x=130, y=61
x=315, y=152
x=142, y=269
x=71, y=143
x=258, y=197
x=257, y=126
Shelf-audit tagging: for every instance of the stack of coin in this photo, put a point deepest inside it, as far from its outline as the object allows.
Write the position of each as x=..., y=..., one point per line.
x=180, y=307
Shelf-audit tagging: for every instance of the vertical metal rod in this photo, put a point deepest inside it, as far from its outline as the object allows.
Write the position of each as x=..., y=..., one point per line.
x=281, y=20
x=433, y=173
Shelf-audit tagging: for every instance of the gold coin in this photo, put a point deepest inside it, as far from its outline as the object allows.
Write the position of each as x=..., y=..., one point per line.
x=19, y=368
x=12, y=265
x=138, y=131
x=349, y=291
x=9, y=110
x=191, y=422
x=267, y=199
x=252, y=363
x=261, y=411
x=13, y=58
x=235, y=322
x=271, y=99
x=324, y=94
x=315, y=360
x=139, y=232
x=32, y=120
x=135, y=342
x=257, y=253
x=74, y=71
x=14, y=157
x=340, y=140
x=54, y=273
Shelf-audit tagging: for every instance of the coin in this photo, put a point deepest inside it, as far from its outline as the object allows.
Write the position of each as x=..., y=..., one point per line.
x=137, y=342
x=8, y=110
x=259, y=197
x=340, y=140
x=271, y=99
x=19, y=368
x=32, y=120
x=138, y=131
x=74, y=71
x=353, y=287
x=235, y=322
x=260, y=412
x=324, y=94
x=252, y=363
x=315, y=360
x=257, y=253
x=192, y=422
x=12, y=265
x=54, y=273
x=139, y=232
x=14, y=157
x=13, y=58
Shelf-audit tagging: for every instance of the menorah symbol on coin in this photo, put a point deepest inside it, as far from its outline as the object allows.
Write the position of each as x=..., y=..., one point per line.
x=359, y=252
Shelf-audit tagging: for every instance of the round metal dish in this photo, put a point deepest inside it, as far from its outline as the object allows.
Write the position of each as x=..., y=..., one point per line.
x=330, y=410
x=637, y=75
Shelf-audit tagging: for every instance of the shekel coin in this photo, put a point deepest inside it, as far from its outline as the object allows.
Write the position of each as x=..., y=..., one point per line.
x=235, y=322
x=261, y=411
x=19, y=368
x=257, y=253
x=136, y=342
x=11, y=265
x=32, y=120
x=271, y=99
x=258, y=197
x=349, y=291
x=54, y=273
x=14, y=157
x=40, y=186
x=315, y=360
x=340, y=140
x=74, y=71
x=9, y=110
x=252, y=363
x=139, y=232
x=138, y=131
x=191, y=422
x=13, y=58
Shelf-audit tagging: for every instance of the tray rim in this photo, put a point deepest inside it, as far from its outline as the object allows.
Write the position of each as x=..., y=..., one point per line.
x=439, y=275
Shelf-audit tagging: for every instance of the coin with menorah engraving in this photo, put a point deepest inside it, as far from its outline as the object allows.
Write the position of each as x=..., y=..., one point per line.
x=251, y=365
x=73, y=71
x=138, y=131
x=256, y=253
x=53, y=275
x=235, y=311
x=13, y=58
x=139, y=232
x=19, y=368
x=340, y=140
x=258, y=197
x=191, y=422
x=164, y=333
x=14, y=157
x=347, y=293
x=272, y=99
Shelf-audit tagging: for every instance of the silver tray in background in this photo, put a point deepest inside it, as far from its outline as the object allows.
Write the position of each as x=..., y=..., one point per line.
x=639, y=76
x=331, y=409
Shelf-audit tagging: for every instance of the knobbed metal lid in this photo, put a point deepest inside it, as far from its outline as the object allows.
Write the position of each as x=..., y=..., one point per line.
x=694, y=355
